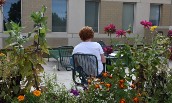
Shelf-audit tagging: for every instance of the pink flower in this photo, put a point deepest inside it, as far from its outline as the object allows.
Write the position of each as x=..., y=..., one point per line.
x=146, y=24
x=74, y=92
x=108, y=49
x=120, y=33
x=109, y=28
x=169, y=33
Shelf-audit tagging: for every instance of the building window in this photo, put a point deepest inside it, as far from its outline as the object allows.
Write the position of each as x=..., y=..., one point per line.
x=155, y=14
x=12, y=12
x=128, y=15
x=91, y=14
x=59, y=15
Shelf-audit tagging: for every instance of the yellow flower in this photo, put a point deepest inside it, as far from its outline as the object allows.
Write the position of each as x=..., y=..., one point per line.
x=2, y=54
x=20, y=98
x=153, y=28
x=37, y=93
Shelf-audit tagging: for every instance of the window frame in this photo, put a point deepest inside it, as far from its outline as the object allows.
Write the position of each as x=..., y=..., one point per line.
x=134, y=9
x=159, y=16
x=67, y=14
x=2, y=15
x=99, y=1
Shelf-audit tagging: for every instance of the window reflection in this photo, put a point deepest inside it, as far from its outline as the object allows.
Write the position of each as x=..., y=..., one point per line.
x=59, y=15
x=128, y=15
x=91, y=14
x=155, y=14
x=12, y=11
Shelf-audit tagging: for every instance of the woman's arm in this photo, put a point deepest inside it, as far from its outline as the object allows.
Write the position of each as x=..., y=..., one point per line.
x=103, y=59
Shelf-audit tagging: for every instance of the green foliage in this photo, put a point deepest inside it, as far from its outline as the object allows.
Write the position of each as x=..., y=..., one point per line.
x=40, y=28
x=21, y=66
x=144, y=71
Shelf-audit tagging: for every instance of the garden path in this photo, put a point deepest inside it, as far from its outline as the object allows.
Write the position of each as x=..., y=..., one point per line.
x=63, y=77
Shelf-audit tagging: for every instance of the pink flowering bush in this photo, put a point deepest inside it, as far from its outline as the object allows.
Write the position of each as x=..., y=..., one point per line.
x=146, y=24
x=108, y=49
x=110, y=29
x=120, y=33
x=169, y=33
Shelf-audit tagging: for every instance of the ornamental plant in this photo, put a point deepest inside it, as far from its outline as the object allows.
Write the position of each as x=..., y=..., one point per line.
x=110, y=29
x=152, y=28
x=169, y=33
x=107, y=50
x=146, y=24
x=2, y=2
x=120, y=33
x=20, y=66
x=138, y=75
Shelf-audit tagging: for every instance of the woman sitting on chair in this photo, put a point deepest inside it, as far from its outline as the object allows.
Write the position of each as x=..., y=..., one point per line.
x=88, y=47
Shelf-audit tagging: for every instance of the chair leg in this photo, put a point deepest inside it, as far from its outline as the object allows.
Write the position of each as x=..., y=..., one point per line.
x=48, y=58
x=58, y=65
x=68, y=69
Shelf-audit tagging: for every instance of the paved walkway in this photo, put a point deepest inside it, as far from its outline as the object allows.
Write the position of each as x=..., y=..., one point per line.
x=63, y=77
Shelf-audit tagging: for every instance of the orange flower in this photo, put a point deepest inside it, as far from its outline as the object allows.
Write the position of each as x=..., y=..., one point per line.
x=122, y=101
x=89, y=81
x=132, y=86
x=20, y=98
x=101, y=82
x=37, y=93
x=97, y=86
x=136, y=100
x=105, y=74
x=108, y=85
x=122, y=86
x=121, y=81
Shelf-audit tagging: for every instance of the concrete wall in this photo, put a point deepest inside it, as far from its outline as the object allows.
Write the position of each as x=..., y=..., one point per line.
x=142, y=12
x=76, y=15
x=29, y=6
x=110, y=12
x=76, y=20
x=165, y=14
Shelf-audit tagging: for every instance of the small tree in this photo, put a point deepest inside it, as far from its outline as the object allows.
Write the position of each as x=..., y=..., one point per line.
x=20, y=66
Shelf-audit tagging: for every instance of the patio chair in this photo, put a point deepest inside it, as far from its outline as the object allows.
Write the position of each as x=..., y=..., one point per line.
x=102, y=43
x=54, y=53
x=84, y=65
x=63, y=55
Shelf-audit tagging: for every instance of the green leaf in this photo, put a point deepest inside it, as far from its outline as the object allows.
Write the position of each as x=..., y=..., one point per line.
x=43, y=9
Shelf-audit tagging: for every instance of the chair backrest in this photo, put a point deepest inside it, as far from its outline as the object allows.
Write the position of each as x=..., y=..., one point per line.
x=101, y=43
x=85, y=65
x=65, y=53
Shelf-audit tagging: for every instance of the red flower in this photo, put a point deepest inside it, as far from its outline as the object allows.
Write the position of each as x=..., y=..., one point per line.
x=2, y=2
x=169, y=33
x=146, y=24
x=120, y=33
x=109, y=28
x=108, y=49
x=136, y=99
x=122, y=101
